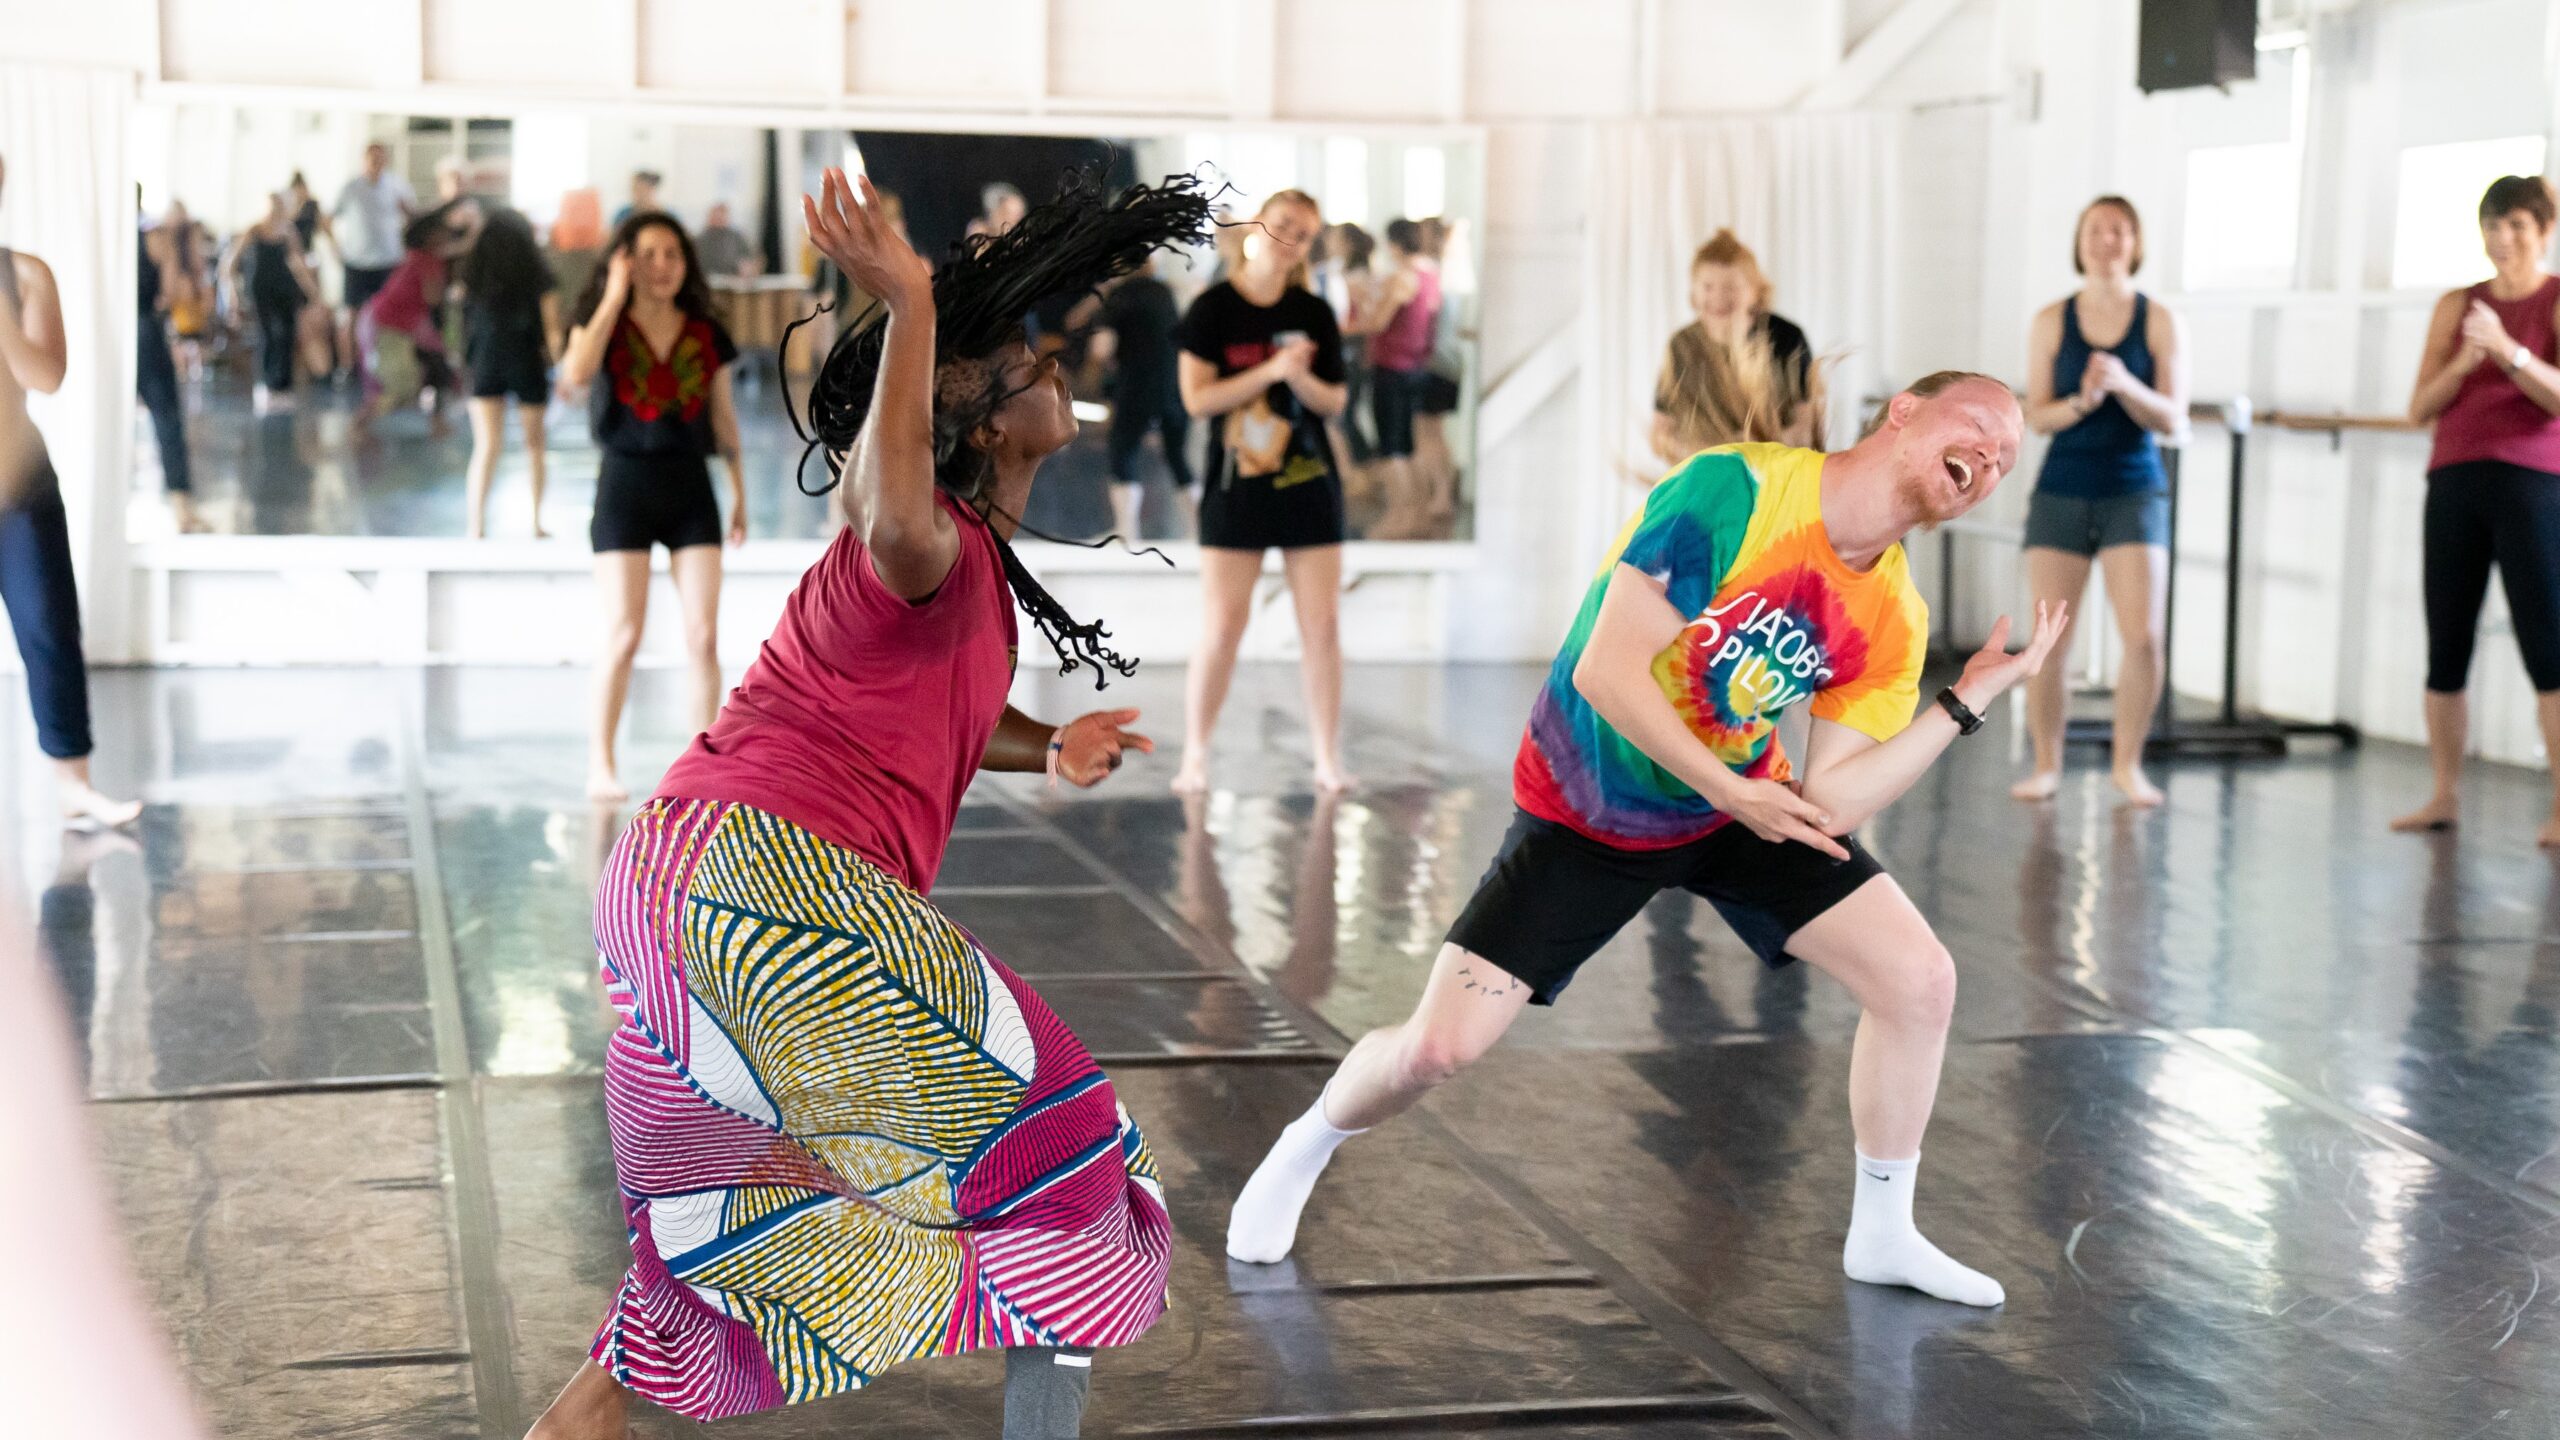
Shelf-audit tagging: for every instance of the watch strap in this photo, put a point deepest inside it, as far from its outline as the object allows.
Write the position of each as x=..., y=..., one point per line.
x=1966, y=721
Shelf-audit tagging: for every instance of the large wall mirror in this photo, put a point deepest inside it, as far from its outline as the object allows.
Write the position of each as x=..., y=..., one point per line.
x=300, y=414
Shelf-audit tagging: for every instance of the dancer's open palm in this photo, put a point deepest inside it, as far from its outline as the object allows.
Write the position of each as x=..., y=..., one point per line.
x=846, y=225
x=1993, y=669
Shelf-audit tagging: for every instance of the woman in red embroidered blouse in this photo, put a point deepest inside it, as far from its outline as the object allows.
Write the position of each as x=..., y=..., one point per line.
x=659, y=406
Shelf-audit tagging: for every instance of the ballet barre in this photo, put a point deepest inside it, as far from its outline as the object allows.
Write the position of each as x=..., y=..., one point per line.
x=2228, y=731
x=2336, y=424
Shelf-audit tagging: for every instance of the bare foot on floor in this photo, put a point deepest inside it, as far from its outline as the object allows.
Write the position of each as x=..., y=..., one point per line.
x=2138, y=790
x=604, y=785
x=1193, y=777
x=85, y=809
x=1334, y=780
x=2441, y=813
x=592, y=1407
x=2042, y=785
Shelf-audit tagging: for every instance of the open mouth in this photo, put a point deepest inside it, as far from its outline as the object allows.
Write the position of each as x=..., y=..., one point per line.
x=1961, y=474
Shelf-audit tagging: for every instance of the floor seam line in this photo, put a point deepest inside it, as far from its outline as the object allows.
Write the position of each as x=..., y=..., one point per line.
x=473, y=1220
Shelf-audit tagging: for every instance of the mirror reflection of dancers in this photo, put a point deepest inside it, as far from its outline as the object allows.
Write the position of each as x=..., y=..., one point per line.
x=660, y=406
x=1262, y=363
x=1755, y=576
x=847, y=1137
x=36, y=581
x=2489, y=384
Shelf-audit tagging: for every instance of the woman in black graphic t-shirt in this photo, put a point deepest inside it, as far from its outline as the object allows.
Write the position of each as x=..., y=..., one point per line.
x=1262, y=363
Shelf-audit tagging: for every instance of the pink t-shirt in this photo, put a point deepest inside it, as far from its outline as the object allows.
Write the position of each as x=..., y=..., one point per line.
x=865, y=716
x=2491, y=418
x=407, y=300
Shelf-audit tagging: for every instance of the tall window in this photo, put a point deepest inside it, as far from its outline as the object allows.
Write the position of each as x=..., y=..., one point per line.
x=2244, y=209
x=2435, y=237
x=1426, y=182
x=2244, y=202
x=1346, y=180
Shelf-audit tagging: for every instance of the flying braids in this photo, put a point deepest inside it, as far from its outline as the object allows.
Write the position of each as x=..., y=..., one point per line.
x=1069, y=246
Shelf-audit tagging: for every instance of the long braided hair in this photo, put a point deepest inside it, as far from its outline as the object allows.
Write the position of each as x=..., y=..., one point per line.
x=1069, y=246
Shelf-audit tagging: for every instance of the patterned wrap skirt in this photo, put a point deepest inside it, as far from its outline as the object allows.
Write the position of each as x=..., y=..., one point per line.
x=846, y=1136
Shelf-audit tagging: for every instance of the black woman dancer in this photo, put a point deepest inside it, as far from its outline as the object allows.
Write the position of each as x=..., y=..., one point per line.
x=846, y=1136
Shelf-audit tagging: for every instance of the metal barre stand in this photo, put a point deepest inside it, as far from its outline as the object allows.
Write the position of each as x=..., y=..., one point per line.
x=2230, y=732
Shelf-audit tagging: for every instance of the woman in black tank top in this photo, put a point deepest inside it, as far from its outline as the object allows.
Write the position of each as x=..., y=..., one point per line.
x=279, y=284
x=2106, y=373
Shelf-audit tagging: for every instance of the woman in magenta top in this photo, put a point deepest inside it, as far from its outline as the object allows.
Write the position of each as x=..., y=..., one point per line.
x=845, y=1135
x=2490, y=384
x=407, y=303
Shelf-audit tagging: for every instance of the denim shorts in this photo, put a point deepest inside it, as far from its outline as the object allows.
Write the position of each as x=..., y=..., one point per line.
x=2085, y=527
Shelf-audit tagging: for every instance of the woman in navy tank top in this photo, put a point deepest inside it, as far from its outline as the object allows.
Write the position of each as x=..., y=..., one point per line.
x=2106, y=376
x=2490, y=385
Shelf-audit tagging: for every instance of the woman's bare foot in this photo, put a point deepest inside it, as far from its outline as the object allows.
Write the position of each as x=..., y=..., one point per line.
x=1334, y=780
x=83, y=808
x=2042, y=785
x=539, y=533
x=1193, y=777
x=2441, y=813
x=605, y=786
x=2138, y=790
x=592, y=1406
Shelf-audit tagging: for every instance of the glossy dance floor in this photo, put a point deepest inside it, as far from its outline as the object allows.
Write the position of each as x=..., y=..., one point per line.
x=2251, y=1106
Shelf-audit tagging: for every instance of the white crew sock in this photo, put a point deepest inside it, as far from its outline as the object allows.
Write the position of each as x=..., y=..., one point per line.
x=1264, y=1223
x=1885, y=1248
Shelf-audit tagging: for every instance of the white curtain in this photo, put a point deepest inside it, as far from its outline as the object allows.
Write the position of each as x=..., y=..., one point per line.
x=62, y=136
x=1812, y=195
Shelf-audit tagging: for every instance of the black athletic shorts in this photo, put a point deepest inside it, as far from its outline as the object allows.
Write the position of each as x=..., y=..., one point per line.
x=1393, y=397
x=507, y=363
x=362, y=284
x=645, y=500
x=1554, y=896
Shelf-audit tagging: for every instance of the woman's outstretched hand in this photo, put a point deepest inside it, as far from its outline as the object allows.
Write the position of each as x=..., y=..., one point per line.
x=1992, y=670
x=846, y=225
x=1090, y=746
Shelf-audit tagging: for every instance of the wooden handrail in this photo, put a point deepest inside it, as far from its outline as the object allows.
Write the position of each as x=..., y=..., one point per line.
x=2334, y=421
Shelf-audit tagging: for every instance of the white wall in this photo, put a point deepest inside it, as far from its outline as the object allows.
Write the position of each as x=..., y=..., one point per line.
x=2331, y=618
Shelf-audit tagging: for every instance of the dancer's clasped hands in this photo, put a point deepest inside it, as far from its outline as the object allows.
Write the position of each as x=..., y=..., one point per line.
x=1092, y=746
x=847, y=225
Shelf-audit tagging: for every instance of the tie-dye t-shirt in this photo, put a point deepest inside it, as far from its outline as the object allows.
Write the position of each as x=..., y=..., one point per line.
x=1735, y=536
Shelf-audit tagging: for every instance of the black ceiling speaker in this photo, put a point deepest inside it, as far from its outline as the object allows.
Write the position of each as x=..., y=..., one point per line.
x=2187, y=43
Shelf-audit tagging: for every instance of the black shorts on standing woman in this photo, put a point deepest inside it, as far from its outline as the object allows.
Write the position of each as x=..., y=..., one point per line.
x=651, y=416
x=506, y=354
x=1271, y=482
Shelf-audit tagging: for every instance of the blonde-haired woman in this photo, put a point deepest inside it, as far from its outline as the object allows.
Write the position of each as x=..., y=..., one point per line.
x=1739, y=372
x=1262, y=360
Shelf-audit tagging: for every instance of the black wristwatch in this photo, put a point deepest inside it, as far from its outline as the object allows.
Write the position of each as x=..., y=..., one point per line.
x=1966, y=721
